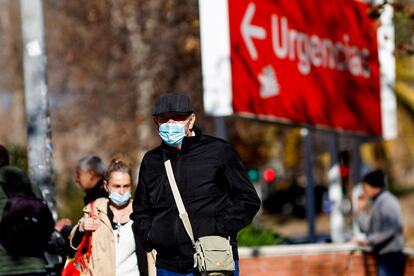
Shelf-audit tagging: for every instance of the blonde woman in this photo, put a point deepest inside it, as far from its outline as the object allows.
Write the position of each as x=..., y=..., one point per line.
x=114, y=247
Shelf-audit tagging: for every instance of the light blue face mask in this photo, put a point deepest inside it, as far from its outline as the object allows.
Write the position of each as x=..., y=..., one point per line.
x=172, y=134
x=118, y=199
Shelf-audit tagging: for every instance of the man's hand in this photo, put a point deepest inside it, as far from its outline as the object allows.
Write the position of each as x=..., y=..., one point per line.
x=359, y=241
x=362, y=203
x=61, y=223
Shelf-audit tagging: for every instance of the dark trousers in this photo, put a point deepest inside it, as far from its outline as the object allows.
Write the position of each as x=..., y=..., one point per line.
x=33, y=274
x=391, y=264
x=164, y=272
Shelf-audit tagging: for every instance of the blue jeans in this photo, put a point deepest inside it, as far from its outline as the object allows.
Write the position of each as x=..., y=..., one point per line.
x=390, y=264
x=164, y=272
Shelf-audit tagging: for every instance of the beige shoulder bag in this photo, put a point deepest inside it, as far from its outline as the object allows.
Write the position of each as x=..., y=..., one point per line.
x=213, y=254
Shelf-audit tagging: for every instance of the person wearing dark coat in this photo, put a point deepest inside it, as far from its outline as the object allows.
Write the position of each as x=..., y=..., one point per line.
x=90, y=171
x=213, y=183
x=13, y=178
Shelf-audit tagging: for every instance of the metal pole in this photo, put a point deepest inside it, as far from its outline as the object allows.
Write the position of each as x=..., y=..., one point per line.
x=356, y=178
x=37, y=110
x=310, y=193
x=356, y=161
x=335, y=192
x=220, y=127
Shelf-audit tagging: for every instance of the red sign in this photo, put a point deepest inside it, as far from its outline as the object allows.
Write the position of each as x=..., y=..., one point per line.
x=303, y=62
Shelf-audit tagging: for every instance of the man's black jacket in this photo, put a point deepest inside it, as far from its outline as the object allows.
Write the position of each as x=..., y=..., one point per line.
x=217, y=194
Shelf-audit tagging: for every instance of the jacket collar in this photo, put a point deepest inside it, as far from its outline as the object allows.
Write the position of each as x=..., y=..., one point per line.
x=376, y=197
x=100, y=210
x=100, y=205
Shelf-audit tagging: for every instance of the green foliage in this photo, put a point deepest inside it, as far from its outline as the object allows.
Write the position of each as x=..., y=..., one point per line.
x=256, y=236
x=400, y=191
x=404, y=24
x=18, y=156
x=71, y=202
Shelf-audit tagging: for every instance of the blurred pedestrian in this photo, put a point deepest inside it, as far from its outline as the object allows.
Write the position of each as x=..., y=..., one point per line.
x=113, y=246
x=213, y=183
x=380, y=218
x=90, y=171
x=14, y=182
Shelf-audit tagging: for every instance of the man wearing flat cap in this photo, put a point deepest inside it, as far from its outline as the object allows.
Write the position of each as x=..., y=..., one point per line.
x=212, y=181
x=382, y=223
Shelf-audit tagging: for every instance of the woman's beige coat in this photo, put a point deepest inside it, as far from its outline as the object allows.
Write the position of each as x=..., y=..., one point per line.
x=102, y=261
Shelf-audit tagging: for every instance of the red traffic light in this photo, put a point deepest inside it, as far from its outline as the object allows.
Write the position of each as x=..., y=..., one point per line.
x=269, y=175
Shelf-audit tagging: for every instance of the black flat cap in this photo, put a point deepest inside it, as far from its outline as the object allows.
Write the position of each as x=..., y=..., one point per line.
x=172, y=103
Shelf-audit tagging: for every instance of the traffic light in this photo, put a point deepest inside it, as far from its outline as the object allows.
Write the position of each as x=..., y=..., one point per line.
x=253, y=174
x=267, y=175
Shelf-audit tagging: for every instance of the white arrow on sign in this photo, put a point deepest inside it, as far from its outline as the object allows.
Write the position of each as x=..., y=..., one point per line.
x=250, y=31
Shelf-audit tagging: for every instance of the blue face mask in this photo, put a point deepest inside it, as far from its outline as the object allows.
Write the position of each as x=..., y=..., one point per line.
x=172, y=134
x=119, y=199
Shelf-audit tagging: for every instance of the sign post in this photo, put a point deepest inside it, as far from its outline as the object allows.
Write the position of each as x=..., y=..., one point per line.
x=310, y=192
x=37, y=109
x=324, y=64
x=335, y=192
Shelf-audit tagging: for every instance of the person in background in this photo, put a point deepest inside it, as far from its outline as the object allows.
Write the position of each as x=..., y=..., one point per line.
x=380, y=219
x=90, y=171
x=17, y=265
x=216, y=191
x=113, y=246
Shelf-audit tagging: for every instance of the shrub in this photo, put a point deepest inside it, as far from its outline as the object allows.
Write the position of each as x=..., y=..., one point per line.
x=253, y=235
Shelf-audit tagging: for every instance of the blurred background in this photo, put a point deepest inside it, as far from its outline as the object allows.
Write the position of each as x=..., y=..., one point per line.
x=108, y=60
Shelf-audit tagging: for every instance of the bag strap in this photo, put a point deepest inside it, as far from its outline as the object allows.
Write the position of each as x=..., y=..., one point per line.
x=90, y=233
x=178, y=201
x=86, y=241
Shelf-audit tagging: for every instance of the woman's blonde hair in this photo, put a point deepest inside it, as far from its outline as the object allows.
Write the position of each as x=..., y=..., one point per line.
x=118, y=165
